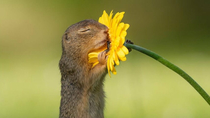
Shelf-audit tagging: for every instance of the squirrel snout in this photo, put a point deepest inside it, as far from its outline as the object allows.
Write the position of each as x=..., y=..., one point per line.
x=106, y=30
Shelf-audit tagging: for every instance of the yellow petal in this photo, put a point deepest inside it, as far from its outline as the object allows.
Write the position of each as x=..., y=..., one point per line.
x=126, y=26
x=110, y=19
x=122, y=58
x=122, y=41
x=110, y=63
x=93, y=54
x=104, y=18
x=95, y=64
x=114, y=71
x=125, y=50
x=123, y=34
x=120, y=53
x=93, y=57
x=119, y=16
x=93, y=60
x=116, y=60
x=108, y=66
x=119, y=29
x=116, y=42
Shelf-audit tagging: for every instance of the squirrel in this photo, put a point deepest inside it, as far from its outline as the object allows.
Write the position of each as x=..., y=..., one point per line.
x=82, y=94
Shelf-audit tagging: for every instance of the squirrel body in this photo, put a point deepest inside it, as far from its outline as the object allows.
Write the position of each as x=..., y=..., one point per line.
x=82, y=94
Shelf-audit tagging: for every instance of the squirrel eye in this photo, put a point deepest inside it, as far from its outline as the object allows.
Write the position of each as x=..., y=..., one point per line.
x=84, y=29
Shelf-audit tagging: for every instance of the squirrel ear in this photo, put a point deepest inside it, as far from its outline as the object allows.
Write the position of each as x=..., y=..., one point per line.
x=66, y=37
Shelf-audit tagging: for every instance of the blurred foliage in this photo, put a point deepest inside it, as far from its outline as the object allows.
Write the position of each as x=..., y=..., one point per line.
x=30, y=48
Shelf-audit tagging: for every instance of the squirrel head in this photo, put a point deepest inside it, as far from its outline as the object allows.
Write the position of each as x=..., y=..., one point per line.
x=80, y=39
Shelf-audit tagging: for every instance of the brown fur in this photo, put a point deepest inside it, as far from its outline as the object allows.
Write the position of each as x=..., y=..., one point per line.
x=82, y=94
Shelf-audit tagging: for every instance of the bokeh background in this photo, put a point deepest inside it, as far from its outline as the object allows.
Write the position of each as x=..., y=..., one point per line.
x=30, y=49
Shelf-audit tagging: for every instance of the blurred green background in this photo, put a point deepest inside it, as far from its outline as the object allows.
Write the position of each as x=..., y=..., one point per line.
x=30, y=49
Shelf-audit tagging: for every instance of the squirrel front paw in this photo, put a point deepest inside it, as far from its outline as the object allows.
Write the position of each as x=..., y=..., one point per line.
x=102, y=58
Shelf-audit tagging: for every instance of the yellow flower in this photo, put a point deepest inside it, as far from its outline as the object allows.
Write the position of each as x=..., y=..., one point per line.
x=117, y=33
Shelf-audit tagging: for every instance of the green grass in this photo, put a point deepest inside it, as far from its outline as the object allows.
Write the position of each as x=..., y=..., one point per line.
x=152, y=90
x=141, y=88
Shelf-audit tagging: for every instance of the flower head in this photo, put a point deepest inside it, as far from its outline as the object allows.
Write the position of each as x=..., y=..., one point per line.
x=117, y=33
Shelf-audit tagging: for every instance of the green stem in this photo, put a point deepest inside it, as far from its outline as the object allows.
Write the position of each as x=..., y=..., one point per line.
x=173, y=67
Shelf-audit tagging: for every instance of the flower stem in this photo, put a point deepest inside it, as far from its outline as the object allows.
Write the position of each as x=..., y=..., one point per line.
x=173, y=67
